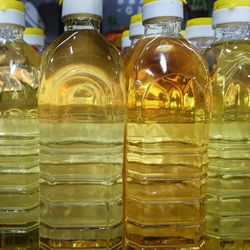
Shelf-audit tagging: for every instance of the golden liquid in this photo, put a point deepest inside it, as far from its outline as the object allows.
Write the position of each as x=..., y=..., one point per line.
x=166, y=141
x=19, y=170
x=229, y=188
x=81, y=112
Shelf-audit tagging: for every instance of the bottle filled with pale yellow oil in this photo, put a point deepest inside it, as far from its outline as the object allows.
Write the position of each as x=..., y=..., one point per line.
x=166, y=136
x=229, y=147
x=19, y=170
x=81, y=115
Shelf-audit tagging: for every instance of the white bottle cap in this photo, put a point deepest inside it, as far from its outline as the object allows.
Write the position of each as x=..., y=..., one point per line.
x=91, y=7
x=162, y=8
x=126, y=42
x=231, y=11
x=136, y=26
x=34, y=36
x=199, y=27
x=12, y=12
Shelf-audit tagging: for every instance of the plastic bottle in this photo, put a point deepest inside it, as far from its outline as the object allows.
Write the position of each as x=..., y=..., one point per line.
x=200, y=33
x=229, y=190
x=126, y=42
x=19, y=170
x=81, y=114
x=136, y=28
x=166, y=135
x=35, y=37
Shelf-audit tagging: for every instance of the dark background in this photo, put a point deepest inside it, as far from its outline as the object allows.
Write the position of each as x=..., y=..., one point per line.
x=116, y=14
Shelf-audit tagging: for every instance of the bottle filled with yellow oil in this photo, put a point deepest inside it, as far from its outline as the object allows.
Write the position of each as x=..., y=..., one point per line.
x=19, y=169
x=81, y=115
x=166, y=136
x=229, y=180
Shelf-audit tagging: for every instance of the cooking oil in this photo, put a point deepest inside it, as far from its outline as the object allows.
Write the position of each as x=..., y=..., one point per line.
x=166, y=158
x=19, y=170
x=81, y=114
x=228, y=189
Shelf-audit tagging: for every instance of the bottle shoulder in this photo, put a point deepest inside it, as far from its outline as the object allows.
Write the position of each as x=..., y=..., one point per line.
x=162, y=56
x=81, y=47
x=229, y=52
x=20, y=53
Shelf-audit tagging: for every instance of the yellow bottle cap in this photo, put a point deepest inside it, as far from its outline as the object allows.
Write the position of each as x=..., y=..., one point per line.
x=230, y=4
x=199, y=21
x=136, y=19
x=34, y=31
x=125, y=33
x=151, y=1
x=11, y=4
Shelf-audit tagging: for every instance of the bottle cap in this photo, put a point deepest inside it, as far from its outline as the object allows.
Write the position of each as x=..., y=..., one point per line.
x=199, y=27
x=34, y=36
x=12, y=12
x=126, y=42
x=162, y=8
x=231, y=11
x=91, y=7
x=136, y=26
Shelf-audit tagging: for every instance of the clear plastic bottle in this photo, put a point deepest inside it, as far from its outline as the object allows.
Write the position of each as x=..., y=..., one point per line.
x=229, y=180
x=81, y=115
x=200, y=33
x=35, y=37
x=19, y=169
x=126, y=43
x=136, y=28
x=166, y=135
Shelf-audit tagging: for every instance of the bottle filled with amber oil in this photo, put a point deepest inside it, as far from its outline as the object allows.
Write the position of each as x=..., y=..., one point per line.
x=166, y=136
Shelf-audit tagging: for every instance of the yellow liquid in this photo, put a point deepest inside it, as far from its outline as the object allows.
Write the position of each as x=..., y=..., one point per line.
x=81, y=113
x=19, y=170
x=229, y=188
x=166, y=141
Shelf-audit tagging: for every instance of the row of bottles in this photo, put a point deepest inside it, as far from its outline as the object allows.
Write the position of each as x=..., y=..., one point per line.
x=177, y=180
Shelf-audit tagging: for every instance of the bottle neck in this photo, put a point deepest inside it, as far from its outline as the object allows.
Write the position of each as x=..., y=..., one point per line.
x=232, y=31
x=74, y=23
x=201, y=43
x=135, y=39
x=11, y=32
x=164, y=26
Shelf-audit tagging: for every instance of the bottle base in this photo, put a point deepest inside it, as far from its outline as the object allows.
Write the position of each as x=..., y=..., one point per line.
x=132, y=246
x=84, y=238
x=215, y=243
x=19, y=239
